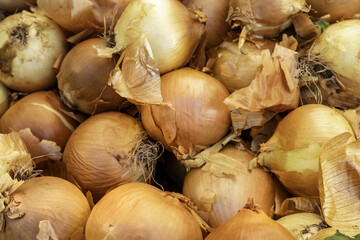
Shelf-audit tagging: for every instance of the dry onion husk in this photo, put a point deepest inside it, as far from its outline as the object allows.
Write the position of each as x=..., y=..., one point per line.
x=4, y=99
x=107, y=150
x=30, y=45
x=141, y=211
x=250, y=223
x=193, y=115
x=13, y=6
x=45, y=198
x=223, y=185
x=292, y=153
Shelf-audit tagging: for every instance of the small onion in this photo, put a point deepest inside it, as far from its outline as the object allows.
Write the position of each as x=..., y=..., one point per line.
x=13, y=6
x=30, y=44
x=235, y=68
x=292, y=153
x=194, y=116
x=46, y=198
x=219, y=198
x=105, y=151
x=141, y=211
x=83, y=77
x=172, y=31
x=44, y=114
x=250, y=223
x=4, y=99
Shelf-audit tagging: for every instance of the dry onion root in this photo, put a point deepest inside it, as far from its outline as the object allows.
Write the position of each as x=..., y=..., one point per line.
x=141, y=211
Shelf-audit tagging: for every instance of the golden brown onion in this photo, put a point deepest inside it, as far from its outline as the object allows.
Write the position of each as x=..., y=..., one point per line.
x=107, y=150
x=141, y=211
x=44, y=114
x=250, y=223
x=219, y=197
x=46, y=201
x=13, y=6
x=193, y=116
x=83, y=76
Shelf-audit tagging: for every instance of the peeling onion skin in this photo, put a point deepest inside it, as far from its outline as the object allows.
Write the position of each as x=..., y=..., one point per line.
x=199, y=119
x=29, y=46
x=83, y=77
x=47, y=198
x=13, y=6
x=141, y=211
x=98, y=153
x=44, y=114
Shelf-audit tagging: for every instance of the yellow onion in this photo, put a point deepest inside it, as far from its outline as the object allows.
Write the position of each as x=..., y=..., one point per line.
x=236, y=68
x=292, y=153
x=141, y=211
x=83, y=77
x=337, y=47
x=13, y=6
x=302, y=225
x=77, y=16
x=250, y=223
x=52, y=202
x=109, y=149
x=219, y=197
x=44, y=114
x=323, y=234
x=172, y=31
x=193, y=115
x=216, y=12
x=4, y=99
x=30, y=44
x=335, y=9
x=266, y=18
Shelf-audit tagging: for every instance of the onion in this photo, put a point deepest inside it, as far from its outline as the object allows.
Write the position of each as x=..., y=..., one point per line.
x=216, y=12
x=48, y=201
x=292, y=153
x=109, y=149
x=4, y=99
x=44, y=114
x=266, y=18
x=13, y=6
x=235, y=68
x=323, y=234
x=220, y=196
x=194, y=116
x=77, y=16
x=172, y=31
x=83, y=76
x=29, y=47
x=141, y=211
x=250, y=223
x=335, y=9
x=302, y=225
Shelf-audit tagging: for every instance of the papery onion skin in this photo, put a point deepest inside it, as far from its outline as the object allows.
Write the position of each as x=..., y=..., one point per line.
x=47, y=198
x=172, y=31
x=197, y=116
x=99, y=152
x=231, y=192
x=83, y=76
x=141, y=211
x=13, y=6
x=29, y=47
x=216, y=12
x=44, y=114
x=4, y=99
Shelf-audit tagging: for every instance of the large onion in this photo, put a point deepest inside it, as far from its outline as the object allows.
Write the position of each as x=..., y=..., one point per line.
x=16, y=5
x=172, y=31
x=220, y=196
x=83, y=76
x=4, y=99
x=141, y=211
x=107, y=150
x=29, y=47
x=46, y=201
x=292, y=153
x=194, y=115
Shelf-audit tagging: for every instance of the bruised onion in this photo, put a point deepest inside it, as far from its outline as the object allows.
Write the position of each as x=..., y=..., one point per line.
x=218, y=196
x=30, y=45
x=292, y=153
x=141, y=211
x=109, y=149
x=83, y=77
x=44, y=114
x=193, y=115
x=13, y=6
x=4, y=99
x=45, y=201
